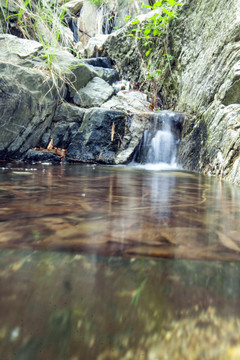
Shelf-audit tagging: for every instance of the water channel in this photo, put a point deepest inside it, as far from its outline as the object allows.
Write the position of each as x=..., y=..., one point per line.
x=102, y=263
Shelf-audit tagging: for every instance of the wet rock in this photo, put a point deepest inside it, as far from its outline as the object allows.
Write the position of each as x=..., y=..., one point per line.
x=104, y=62
x=95, y=93
x=63, y=133
x=41, y=156
x=99, y=136
x=135, y=126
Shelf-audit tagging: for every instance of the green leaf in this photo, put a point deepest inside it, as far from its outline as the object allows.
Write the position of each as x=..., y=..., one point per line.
x=147, y=31
x=157, y=4
x=148, y=52
x=156, y=32
x=166, y=11
x=135, y=21
x=171, y=2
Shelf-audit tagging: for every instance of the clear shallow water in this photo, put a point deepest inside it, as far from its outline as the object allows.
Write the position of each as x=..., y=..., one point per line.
x=118, y=263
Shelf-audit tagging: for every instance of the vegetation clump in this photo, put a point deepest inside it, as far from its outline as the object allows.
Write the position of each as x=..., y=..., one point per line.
x=146, y=33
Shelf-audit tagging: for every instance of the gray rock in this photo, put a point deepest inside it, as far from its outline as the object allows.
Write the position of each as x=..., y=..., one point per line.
x=27, y=100
x=136, y=124
x=96, y=46
x=69, y=113
x=41, y=156
x=63, y=133
x=101, y=61
x=99, y=137
x=74, y=6
x=65, y=124
x=95, y=93
x=132, y=101
x=108, y=75
x=74, y=72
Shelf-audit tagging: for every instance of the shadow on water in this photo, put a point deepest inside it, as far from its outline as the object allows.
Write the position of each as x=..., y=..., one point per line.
x=143, y=264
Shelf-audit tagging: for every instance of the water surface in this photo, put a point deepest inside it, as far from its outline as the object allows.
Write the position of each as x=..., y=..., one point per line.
x=118, y=263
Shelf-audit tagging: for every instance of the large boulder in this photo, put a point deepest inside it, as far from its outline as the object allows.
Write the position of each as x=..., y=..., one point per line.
x=27, y=100
x=30, y=94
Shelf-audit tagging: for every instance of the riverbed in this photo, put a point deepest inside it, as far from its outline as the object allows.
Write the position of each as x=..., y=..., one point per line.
x=101, y=262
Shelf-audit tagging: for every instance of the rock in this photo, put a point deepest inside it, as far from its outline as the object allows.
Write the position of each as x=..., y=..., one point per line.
x=95, y=93
x=41, y=156
x=27, y=100
x=69, y=113
x=108, y=75
x=11, y=6
x=73, y=6
x=99, y=136
x=102, y=62
x=136, y=124
x=19, y=51
x=65, y=124
x=89, y=22
x=74, y=72
x=96, y=46
x=63, y=133
x=132, y=101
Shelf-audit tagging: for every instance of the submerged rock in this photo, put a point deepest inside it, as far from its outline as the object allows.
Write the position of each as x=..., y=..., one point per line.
x=99, y=137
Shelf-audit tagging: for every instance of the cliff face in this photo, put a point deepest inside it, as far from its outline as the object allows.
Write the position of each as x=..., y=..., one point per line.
x=206, y=45
x=204, y=82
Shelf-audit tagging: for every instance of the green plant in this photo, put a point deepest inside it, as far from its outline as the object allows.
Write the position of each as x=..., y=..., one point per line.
x=146, y=33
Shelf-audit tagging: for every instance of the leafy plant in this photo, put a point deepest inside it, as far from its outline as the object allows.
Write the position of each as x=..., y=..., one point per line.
x=145, y=33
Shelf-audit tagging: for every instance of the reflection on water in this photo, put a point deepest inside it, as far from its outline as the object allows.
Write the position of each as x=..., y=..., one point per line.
x=119, y=211
x=117, y=291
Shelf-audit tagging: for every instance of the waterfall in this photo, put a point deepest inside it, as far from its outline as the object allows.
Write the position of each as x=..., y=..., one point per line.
x=158, y=148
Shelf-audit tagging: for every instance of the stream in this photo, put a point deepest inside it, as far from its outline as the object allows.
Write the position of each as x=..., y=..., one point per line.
x=101, y=262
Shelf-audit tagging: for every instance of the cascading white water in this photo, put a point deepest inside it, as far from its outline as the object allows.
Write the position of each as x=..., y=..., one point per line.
x=158, y=149
x=163, y=148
